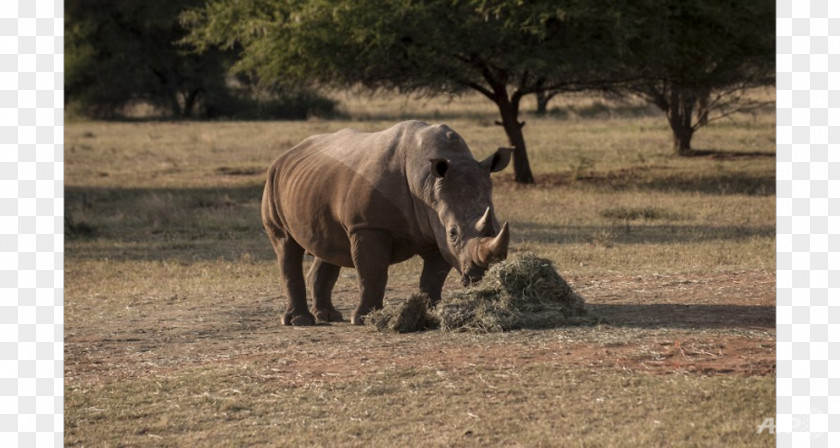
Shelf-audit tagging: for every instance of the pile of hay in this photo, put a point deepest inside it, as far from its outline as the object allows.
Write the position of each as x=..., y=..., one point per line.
x=523, y=293
x=413, y=315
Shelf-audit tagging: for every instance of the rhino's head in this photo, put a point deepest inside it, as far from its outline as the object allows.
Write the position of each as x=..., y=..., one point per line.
x=468, y=234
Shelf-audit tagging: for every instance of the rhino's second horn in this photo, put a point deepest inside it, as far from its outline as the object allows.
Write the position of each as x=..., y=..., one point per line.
x=484, y=225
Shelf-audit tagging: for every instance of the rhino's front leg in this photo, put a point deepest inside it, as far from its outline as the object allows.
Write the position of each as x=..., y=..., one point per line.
x=435, y=270
x=322, y=278
x=371, y=251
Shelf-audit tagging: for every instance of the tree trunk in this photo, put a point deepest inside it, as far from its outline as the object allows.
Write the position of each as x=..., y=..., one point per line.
x=190, y=101
x=521, y=166
x=174, y=105
x=680, y=111
x=682, y=140
x=543, y=98
x=509, y=111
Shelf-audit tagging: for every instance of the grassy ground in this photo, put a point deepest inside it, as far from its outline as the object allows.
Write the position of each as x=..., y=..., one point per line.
x=172, y=297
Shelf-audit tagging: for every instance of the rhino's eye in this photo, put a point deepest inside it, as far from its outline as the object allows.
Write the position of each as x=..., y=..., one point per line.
x=453, y=234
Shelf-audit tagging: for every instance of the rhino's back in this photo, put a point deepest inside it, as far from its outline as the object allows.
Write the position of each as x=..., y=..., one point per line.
x=331, y=185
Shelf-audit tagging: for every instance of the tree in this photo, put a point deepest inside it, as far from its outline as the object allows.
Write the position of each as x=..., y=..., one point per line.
x=125, y=51
x=543, y=97
x=503, y=49
x=697, y=60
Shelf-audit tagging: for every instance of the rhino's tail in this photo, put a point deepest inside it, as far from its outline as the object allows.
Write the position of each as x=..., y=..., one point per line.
x=270, y=215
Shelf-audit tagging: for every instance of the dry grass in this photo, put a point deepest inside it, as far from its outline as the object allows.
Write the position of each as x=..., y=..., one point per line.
x=507, y=405
x=173, y=300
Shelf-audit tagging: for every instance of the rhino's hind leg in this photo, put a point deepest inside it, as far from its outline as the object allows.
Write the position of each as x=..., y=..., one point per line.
x=371, y=251
x=322, y=278
x=290, y=258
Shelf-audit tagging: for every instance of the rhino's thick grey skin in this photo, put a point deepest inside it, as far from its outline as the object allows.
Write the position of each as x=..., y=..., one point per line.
x=369, y=200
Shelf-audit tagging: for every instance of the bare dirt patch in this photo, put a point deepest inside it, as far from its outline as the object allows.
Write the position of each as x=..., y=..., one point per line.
x=719, y=324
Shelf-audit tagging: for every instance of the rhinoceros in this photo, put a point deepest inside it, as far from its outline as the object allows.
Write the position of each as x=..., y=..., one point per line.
x=369, y=200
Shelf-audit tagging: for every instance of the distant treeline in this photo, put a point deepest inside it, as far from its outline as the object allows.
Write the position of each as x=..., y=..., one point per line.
x=122, y=54
x=691, y=59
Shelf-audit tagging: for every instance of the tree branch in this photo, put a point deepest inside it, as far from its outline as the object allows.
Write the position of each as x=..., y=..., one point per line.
x=481, y=89
x=729, y=102
x=742, y=108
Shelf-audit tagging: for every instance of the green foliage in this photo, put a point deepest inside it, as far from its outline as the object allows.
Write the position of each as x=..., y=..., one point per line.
x=433, y=46
x=129, y=52
x=253, y=104
x=502, y=49
x=711, y=44
x=126, y=51
x=696, y=60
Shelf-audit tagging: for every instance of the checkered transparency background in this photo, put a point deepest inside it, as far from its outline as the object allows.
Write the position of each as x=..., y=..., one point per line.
x=808, y=220
x=32, y=203
x=31, y=210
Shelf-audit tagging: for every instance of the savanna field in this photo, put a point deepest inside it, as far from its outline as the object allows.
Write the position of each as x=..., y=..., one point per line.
x=173, y=297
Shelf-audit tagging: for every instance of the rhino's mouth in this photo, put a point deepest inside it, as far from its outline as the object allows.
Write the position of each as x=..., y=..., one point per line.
x=472, y=275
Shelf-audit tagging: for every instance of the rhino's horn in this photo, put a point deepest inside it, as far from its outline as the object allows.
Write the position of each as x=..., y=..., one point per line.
x=484, y=225
x=494, y=249
x=499, y=245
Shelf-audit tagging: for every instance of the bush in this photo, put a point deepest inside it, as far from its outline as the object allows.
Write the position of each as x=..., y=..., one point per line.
x=298, y=105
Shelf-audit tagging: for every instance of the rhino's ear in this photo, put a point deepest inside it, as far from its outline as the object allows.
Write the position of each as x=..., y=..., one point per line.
x=439, y=167
x=498, y=161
